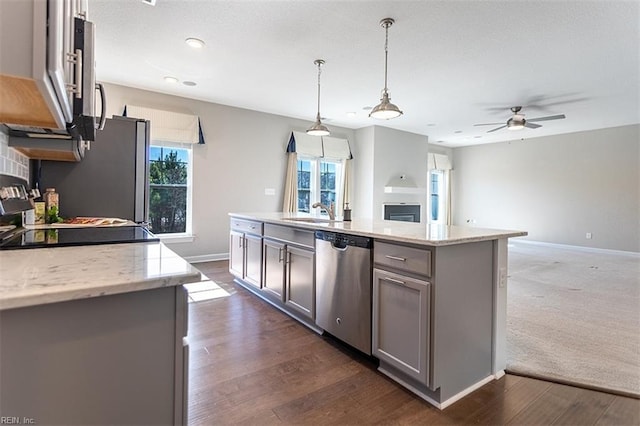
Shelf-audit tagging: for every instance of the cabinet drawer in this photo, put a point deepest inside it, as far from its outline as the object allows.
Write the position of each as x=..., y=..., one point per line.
x=404, y=258
x=289, y=234
x=248, y=226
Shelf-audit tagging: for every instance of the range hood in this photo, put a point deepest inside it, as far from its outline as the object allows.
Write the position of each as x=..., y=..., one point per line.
x=46, y=144
x=402, y=184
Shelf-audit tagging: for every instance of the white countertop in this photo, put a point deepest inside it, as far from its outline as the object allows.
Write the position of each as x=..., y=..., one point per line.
x=408, y=232
x=32, y=277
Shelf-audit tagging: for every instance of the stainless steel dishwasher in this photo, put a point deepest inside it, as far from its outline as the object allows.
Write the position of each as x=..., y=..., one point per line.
x=343, y=287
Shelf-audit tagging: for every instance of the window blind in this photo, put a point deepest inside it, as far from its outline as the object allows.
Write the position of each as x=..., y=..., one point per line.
x=169, y=126
x=438, y=162
x=319, y=147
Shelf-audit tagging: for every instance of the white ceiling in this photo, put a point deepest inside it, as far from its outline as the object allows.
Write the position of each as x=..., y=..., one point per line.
x=451, y=63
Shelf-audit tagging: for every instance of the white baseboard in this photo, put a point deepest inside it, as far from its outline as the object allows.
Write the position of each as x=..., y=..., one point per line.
x=444, y=404
x=206, y=258
x=578, y=248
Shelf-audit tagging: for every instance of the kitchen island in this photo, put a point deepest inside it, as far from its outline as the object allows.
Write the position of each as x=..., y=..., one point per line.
x=438, y=299
x=94, y=334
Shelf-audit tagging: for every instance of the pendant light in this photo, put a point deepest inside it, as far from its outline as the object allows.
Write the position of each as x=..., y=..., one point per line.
x=385, y=110
x=318, y=129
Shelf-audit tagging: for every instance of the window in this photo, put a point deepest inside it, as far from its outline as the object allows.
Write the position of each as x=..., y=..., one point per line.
x=318, y=180
x=438, y=196
x=170, y=189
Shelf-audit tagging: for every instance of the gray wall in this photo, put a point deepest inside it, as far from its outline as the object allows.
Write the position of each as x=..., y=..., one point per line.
x=244, y=154
x=557, y=188
x=387, y=154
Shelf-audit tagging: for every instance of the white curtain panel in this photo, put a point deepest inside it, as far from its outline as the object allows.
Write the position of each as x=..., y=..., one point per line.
x=290, y=201
x=449, y=220
x=347, y=186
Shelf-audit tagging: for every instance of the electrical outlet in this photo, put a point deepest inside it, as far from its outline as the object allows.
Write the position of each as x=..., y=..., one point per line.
x=588, y=235
x=502, y=277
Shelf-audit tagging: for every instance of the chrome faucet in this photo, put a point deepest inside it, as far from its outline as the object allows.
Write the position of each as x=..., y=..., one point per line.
x=329, y=210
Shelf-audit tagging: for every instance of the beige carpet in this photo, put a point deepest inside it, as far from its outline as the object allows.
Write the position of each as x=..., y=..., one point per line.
x=573, y=316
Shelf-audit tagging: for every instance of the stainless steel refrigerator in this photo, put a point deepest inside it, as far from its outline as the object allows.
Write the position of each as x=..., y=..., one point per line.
x=113, y=178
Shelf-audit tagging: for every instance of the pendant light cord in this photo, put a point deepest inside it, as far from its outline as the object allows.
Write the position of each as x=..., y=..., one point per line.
x=386, y=54
x=319, y=67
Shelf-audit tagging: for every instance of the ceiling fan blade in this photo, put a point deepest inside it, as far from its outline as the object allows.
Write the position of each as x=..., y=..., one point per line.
x=497, y=128
x=551, y=117
x=488, y=124
x=532, y=125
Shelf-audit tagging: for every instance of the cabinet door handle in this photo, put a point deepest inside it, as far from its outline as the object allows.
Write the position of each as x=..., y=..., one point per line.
x=240, y=241
x=401, y=259
x=280, y=258
x=402, y=283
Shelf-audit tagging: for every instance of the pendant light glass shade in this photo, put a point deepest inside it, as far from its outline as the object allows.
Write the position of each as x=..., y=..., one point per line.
x=385, y=110
x=318, y=129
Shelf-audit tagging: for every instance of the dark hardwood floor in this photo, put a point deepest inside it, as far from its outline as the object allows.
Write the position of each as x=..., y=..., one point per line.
x=252, y=364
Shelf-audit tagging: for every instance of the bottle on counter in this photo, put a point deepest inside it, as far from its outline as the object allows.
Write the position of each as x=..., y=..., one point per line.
x=346, y=213
x=52, y=205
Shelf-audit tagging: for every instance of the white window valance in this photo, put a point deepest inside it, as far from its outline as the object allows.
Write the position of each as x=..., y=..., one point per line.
x=319, y=147
x=169, y=126
x=438, y=162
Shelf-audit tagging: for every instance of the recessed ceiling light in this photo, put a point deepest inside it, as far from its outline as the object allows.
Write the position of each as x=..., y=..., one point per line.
x=196, y=43
x=170, y=79
x=458, y=131
x=477, y=137
x=431, y=124
x=189, y=83
x=367, y=108
x=351, y=114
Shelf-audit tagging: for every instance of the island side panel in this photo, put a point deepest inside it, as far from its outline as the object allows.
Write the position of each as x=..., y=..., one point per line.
x=463, y=310
x=500, y=259
x=103, y=360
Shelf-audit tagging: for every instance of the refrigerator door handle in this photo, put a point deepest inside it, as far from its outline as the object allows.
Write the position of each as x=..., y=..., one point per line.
x=103, y=106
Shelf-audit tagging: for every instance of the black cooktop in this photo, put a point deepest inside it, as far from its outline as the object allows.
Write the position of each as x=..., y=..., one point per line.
x=64, y=237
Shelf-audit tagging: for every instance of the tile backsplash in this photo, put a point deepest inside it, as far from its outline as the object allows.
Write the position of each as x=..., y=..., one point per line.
x=11, y=161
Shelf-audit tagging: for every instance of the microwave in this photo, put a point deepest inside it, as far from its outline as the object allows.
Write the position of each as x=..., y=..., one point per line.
x=48, y=76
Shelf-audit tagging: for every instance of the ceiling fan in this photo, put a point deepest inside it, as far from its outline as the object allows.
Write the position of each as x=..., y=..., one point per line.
x=517, y=121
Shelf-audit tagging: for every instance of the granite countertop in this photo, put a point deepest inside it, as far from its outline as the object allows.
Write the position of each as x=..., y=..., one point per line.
x=47, y=275
x=408, y=232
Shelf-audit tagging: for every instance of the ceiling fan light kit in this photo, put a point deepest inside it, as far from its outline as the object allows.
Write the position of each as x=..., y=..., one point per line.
x=518, y=122
x=385, y=110
x=318, y=129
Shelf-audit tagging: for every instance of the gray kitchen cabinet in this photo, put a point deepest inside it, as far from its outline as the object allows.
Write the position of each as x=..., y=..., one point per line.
x=401, y=323
x=287, y=266
x=117, y=359
x=253, y=259
x=300, y=281
x=289, y=276
x=274, y=256
x=245, y=251
x=236, y=253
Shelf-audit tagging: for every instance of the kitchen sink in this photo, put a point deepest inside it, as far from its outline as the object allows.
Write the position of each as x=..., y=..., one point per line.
x=310, y=220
